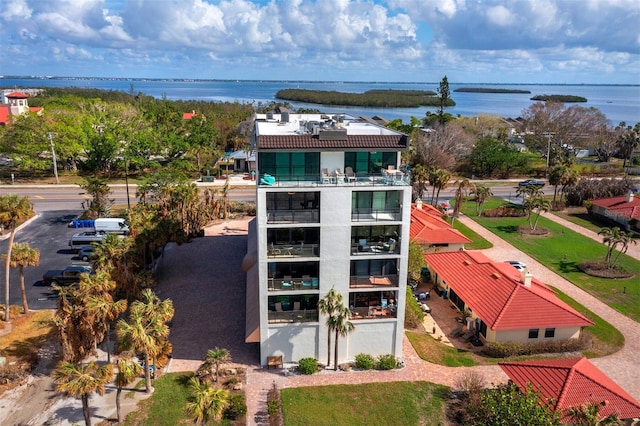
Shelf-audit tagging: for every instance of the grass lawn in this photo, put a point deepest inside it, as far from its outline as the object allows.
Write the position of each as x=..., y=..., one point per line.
x=430, y=350
x=391, y=403
x=477, y=242
x=562, y=250
x=166, y=405
x=580, y=217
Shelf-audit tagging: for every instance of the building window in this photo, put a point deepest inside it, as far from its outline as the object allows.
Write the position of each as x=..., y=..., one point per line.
x=290, y=165
x=369, y=162
x=533, y=333
x=549, y=332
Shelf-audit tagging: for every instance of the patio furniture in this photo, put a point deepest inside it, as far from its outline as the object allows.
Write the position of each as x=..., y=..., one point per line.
x=339, y=176
x=306, y=281
x=325, y=178
x=363, y=245
x=287, y=282
x=278, y=307
x=274, y=251
x=350, y=175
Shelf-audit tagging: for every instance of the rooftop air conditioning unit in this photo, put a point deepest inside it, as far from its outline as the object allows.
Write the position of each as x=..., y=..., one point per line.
x=333, y=135
x=269, y=116
x=284, y=117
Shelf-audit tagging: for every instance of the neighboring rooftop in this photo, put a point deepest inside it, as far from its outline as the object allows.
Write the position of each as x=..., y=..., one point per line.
x=500, y=295
x=324, y=131
x=428, y=227
x=626, y=205
x=572, y=382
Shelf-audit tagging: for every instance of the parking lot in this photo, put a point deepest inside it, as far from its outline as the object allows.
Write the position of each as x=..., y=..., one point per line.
x=49, y=234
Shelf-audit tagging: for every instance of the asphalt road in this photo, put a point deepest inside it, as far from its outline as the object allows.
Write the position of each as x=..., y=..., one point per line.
x=49, y=234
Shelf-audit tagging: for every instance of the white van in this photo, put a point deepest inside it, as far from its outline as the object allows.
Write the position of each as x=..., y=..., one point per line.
x=115, y=225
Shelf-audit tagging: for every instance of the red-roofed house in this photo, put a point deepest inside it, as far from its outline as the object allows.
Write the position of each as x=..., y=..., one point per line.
x=16, y=105
x=619, y=209
x=506, y=304
x=572, y=382
x=432, y=232
x=188, y=115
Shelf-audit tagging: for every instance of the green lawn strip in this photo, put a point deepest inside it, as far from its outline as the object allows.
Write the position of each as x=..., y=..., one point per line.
x=583, y=219
x=477, y=242
x=562, y=250
x=389, y=403
x=435, y=352
x=167, y=404
x=607, y=339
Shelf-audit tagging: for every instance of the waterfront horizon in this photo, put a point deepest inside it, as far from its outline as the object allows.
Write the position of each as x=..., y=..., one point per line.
x=619, y=102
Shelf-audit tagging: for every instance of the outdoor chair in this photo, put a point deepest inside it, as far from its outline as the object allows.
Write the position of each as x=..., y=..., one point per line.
x=325, y=176
x=274, y=251
x=363, y=245
x=279, y=307
x=287, y=281
x=296, y=306
x=306, y=281
x=351, y=176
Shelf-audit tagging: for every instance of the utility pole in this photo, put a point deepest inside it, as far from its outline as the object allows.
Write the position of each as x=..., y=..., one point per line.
x=51, y=135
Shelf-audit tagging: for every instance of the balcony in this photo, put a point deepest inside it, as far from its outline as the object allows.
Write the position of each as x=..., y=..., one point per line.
x=376, y=215
x=293, y=250
x=373, y=312
x=373, y=305
x=293, y=216
x=364, y=247
x=288, y=283
x=317, y=180
x=293, y=316
x=373, y=281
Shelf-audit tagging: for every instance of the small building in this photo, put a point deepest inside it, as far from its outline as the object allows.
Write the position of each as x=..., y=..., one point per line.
x=16, y=104
x=243, y=160
x=432, y=232
x=623, y=210
x=506, y=305
x=573, y=382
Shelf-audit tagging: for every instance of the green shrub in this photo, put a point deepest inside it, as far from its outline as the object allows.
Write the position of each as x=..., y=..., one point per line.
x=308, y=365
x=365, y=362
x=387, y=362
x=507, y=349
x=413, y=315
x=237, y=407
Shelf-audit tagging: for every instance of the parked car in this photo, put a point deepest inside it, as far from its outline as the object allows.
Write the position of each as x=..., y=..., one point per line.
x=69, y=275
x=87, y=253
x=81, y=239
x=516, y=264
x=531, y=182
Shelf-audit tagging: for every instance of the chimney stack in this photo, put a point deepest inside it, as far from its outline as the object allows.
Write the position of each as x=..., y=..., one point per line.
x=419, y=204
x=629, y=197
x=526, y=277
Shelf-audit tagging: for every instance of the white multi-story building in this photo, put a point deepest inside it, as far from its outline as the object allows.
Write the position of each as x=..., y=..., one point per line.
x=333, y=210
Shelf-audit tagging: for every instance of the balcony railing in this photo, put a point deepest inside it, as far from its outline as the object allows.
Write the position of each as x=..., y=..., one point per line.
x=373, y=312
x=373, y=281
x=293, y=216
x=376, y=215
x=291, y=284
x=305, y=315
x=303, y=181
x=377, y=248
x=293, y=250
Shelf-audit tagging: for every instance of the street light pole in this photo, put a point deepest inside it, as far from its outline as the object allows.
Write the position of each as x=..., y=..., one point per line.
x=126, y=181
x=51, y=135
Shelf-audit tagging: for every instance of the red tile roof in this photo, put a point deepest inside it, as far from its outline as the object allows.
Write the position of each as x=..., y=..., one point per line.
x=428, y=227
x=309, y=142
x=572, y=382
x=496, y=294
x=188, y=115
x=621, y=206
x=16, y=95
x=4, y=114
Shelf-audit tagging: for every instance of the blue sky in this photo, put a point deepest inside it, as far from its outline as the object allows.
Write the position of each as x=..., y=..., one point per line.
x=475, y=41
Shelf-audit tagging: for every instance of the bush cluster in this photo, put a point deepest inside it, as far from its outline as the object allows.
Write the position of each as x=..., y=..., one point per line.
x=237, y=407
x=274, y=405
x=365, y=362
x=592, y=189
x=504, y=211
x=383, y=362
x=308, y=365
x=508, y=349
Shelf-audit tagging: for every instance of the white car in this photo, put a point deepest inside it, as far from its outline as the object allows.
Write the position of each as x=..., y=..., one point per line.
x=516, y=264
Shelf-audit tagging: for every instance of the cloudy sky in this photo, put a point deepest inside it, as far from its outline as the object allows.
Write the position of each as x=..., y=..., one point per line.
x=490, y=41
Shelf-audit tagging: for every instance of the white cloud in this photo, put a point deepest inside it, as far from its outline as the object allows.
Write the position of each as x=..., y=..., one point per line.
x=16, y=9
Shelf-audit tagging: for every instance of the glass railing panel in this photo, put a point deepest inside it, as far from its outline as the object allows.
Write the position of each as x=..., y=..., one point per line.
x=373, y=281
x=376, y=215
x=293, y=284
x=293, y=250
x=293, y=316
x=293, y=216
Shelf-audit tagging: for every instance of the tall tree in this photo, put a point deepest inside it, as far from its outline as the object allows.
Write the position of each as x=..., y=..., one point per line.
x=556, y=176
x=589, y=415
x=13, y=211
x=98, y=190
x=23, y=255
x=481, y=192
x=128, y=370
x=443, y=96
x=330, y=306
x=81, y=380
x=214, y=360
x=439, y=178
x=461, y=191
x=612, y=238
x=420, y=178
x=628, y=141
x=342, y=327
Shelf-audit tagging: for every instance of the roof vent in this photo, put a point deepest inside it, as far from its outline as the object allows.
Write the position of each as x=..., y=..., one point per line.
x=495, y=275
x=467, y=262
x=284, y=117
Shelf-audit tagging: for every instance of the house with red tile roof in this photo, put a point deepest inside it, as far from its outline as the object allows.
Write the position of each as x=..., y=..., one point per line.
x=432, y=232
x=16, y=105
x=572, y=382
x=506, y=305
x=618, y=209
x=189, y=115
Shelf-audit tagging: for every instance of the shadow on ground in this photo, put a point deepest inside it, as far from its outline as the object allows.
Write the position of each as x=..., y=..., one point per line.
x=205, y=280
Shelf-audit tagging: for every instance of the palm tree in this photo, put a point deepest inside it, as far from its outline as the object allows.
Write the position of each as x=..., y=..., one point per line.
x=625, y=239
x=556, y=175
x=214, y=359
x=539, y=204
x=610, y=237
x=13, y=210
x=588, y=415
x=23, y=255
x=463, y=185
x=206, y=402
x=160, y=312
x=81, y=380
x=342, y=327
x=128, y=370
x=482, y=192
x=419, y=177
x=328, y=305
x=439, y=178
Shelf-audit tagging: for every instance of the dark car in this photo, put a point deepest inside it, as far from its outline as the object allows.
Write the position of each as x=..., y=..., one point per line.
x=531, y=182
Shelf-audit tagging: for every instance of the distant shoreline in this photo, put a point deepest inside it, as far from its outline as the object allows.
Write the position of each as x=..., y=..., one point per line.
x=36, y=78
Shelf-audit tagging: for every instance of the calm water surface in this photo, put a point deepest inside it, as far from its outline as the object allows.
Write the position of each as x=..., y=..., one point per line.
x=618, y=103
